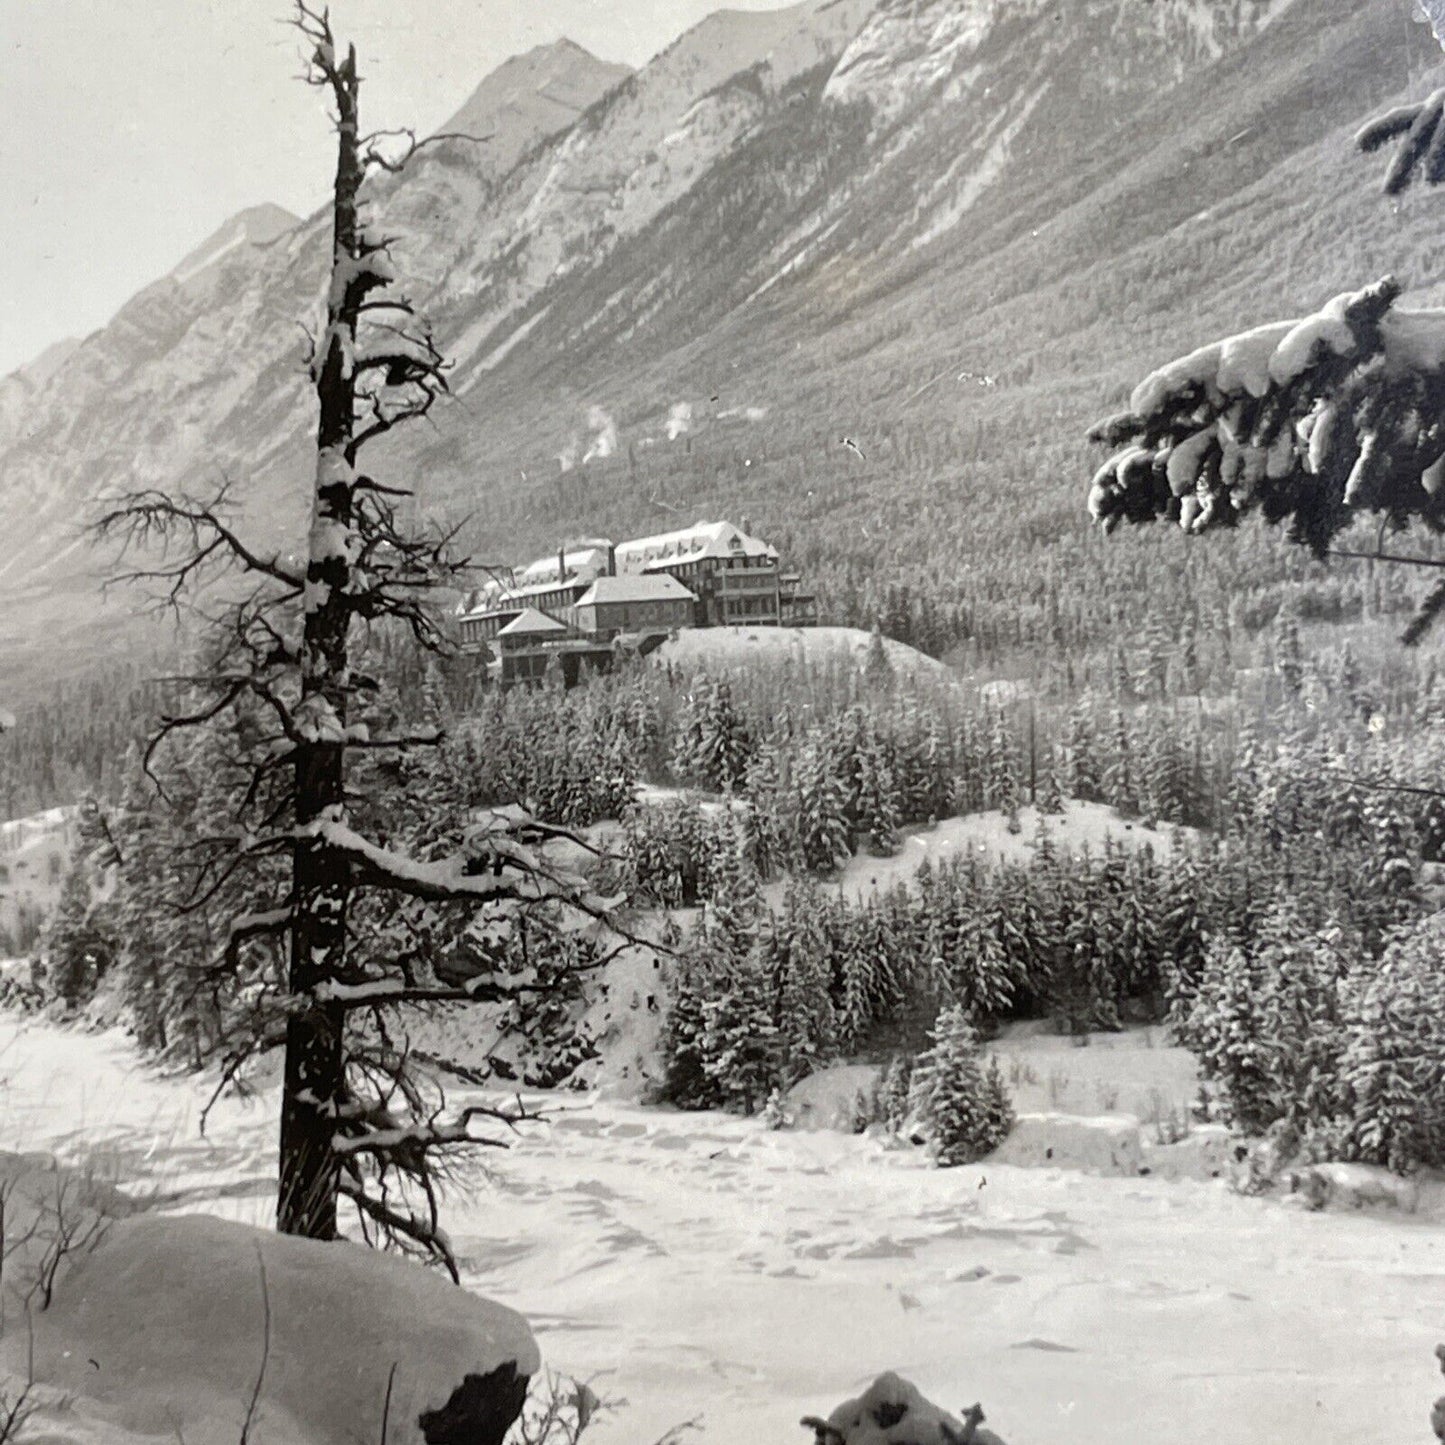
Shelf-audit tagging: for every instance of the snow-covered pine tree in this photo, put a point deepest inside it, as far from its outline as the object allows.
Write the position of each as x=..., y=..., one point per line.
x=801, y=968
x=878, y=810
x=1118, y=780
x=1083, y=765
x=767, y=832
x=821, y=811
x=893, y=1092
x=741, y=1047
x=686, y=1080
x=1289, y=662
x=1184, y=909
x=714, y=743
x=1051, y=793
x=1161, y=782
x=878, y=673
x=1151, y=675
x=1226, y=1030
x=76, y=950
x=1394, y=1054
x=141, y=866
x=963, y=1106
x=1001, y=766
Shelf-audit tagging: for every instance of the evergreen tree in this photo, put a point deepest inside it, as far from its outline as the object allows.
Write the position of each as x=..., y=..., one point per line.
x=1001, y=772
x=767, y=834
x=77, y=952
x=1288, y=656
x=740, y=1042
x=1226, y=1029
x=798, y=959
x=714, y=743
x=1051, y=796
x=1082, y=773
x=687, y=1081
x=1118, y=782
x=820, y=810
x=1394, y=1053
x=878, y=812
x=893, y=1092
x=142, y=873
x=878, y=672
x=963, y=1105
x=1313, y=422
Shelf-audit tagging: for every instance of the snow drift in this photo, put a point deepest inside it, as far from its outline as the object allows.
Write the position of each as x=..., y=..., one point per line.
x=186, y=1327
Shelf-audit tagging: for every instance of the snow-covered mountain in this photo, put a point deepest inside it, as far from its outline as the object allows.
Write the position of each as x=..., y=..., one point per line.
x=256, y=226
x=788, y=222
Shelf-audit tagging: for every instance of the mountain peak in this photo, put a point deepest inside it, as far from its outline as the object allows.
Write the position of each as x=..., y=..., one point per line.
x=255, y=226
x=531, y=96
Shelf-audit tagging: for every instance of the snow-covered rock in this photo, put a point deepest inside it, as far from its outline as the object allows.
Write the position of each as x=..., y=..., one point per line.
x=892, y=1411
x=1353, y=1186
x=1107, y=1144
x=176, y=1328
x=1208, y=1151
x=832, y=1098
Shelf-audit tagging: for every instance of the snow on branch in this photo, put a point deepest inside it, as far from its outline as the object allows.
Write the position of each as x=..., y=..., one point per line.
x=1310, y=421
x=1420, y=130
x=493, y=868
x=418, y=1137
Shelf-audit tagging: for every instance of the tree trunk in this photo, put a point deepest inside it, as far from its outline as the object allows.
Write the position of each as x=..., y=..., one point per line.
x=315, y=1066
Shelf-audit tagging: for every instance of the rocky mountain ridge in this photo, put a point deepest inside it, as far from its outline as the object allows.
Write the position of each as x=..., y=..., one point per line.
x=837, y=218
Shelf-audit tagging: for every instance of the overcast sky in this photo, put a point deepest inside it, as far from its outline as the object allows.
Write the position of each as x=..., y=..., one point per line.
x=130, y=129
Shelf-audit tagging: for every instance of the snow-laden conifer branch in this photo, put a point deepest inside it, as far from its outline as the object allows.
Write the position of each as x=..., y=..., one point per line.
x=1420, y=129
x=265, y=924
x=235, y=1063
x=1311, y=421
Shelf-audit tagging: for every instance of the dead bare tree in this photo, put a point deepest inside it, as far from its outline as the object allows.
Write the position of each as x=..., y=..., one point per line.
x=327, y=923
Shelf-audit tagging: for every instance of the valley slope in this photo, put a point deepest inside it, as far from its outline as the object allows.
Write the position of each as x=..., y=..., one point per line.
x=951, y=233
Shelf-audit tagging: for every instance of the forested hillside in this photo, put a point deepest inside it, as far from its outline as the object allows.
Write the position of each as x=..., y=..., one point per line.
x=864, y=279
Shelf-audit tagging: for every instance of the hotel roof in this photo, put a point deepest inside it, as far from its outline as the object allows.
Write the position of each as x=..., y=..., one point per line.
x=650, y=587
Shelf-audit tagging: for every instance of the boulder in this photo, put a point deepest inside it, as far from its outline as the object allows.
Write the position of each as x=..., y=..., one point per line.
x=1353, y=1186
x=186, y=1327
x=892, y=1411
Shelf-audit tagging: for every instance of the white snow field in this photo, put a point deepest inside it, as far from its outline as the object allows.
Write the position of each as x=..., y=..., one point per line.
x=700, y=1266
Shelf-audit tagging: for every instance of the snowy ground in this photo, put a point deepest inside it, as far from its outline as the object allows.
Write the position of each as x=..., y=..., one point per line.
x=986, y=836
x=740, y=646
x=702, y=1266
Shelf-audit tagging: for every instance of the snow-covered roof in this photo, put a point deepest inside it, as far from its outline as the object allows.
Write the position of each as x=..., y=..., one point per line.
x=530, y=621
x=650, y=587
x=498, y=597
x=588, y=561
x=706, y=539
